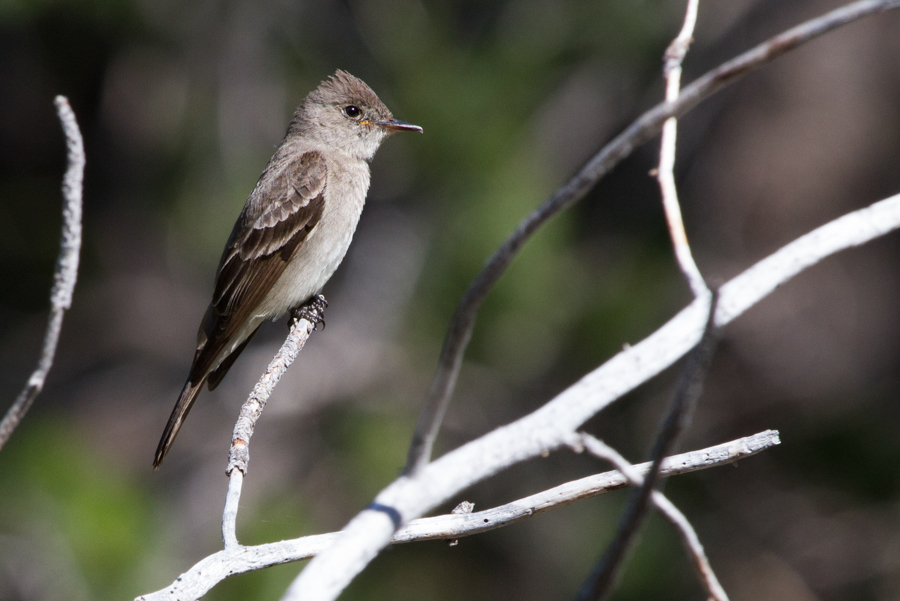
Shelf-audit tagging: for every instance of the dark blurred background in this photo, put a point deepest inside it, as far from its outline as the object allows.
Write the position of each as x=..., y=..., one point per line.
x=182, y=103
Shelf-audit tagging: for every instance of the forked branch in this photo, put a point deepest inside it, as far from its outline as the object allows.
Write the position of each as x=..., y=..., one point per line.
x=553, y=424
x=202, y=577
x=639, y=132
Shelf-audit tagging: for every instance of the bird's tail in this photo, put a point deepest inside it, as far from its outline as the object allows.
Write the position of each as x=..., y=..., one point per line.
x=182, y=407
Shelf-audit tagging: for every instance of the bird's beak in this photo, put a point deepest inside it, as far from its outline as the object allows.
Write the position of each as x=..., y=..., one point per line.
x=397, y=125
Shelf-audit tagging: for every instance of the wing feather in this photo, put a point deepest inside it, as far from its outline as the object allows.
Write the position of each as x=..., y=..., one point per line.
x=265, y=238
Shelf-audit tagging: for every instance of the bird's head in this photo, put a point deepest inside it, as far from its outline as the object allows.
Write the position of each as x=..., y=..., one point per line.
x=344, y=113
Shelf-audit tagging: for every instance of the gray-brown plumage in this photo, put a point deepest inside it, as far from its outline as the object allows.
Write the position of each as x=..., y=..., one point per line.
x=294, y=230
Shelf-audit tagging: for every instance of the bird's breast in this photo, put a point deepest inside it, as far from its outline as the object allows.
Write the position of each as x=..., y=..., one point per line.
x=326, y=245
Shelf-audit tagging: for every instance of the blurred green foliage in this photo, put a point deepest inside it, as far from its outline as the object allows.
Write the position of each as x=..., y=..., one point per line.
x=53, y=488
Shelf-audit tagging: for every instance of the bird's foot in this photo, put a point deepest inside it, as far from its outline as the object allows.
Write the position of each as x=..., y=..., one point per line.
x=312, y=311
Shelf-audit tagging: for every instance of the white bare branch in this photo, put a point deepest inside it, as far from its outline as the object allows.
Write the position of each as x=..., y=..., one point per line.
x=197, y=581
x=551, y=425
x=674, y=56
x=66, y=273
x=229, y=514
x=302, y=325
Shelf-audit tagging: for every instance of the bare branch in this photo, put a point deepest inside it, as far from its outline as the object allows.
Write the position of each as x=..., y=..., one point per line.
x=197, y=581
x=688, y=389
x=305, y=320
x=550, y=426
x=66, y=273
x=674, y=56
x=229, y=514
x=689, y=537
x=642, y=130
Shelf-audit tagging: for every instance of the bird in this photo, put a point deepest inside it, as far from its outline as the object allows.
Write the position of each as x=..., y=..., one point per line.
x=294, y=230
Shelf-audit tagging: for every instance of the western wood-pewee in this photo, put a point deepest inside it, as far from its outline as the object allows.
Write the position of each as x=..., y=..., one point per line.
x=294, y=230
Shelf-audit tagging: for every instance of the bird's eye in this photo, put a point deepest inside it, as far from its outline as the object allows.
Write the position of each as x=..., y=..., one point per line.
x=352, y=111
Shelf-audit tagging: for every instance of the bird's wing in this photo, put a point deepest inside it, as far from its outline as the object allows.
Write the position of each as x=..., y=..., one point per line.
x=264, y=240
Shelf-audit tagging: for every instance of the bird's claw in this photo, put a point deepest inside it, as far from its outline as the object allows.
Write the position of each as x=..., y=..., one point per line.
x=312, y=311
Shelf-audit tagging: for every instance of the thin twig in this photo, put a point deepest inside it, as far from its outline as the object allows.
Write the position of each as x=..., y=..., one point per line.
x=665, y=174
x=601, y=579
x=689, y=537
x=642, y=130
x=303, y=323
x=66, y=273
x=688, y=389
x=197, y=581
